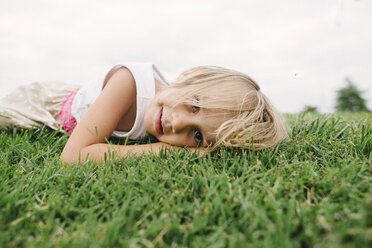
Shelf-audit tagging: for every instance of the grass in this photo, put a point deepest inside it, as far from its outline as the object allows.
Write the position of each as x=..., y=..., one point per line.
x=314, y=190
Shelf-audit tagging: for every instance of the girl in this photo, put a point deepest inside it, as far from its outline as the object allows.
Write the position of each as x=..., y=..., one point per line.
x=206, y=107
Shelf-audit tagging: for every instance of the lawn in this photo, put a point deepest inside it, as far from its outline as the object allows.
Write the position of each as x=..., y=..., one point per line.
x=314, y=190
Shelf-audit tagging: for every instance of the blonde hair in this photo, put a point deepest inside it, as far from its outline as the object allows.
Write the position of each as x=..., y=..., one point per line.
x=251, y=120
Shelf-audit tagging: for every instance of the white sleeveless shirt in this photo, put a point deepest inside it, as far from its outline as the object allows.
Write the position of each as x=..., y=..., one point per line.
x=144, y=75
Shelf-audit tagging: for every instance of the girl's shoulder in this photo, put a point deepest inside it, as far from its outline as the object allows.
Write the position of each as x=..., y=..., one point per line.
x=145, y=74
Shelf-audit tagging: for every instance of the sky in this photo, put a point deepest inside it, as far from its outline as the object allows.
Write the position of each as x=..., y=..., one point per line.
x=299, y=51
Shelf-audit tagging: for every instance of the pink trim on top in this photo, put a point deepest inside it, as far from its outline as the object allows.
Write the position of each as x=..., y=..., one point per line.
x=66, y=118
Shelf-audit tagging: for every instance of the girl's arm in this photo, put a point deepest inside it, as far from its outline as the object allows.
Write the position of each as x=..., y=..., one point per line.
x=97, y=124
x=100, y=152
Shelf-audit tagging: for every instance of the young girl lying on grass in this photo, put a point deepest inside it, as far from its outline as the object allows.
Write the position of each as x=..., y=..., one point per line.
x=205, y=108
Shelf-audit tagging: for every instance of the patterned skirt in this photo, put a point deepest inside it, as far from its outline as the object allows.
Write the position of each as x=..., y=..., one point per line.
x=35, y=105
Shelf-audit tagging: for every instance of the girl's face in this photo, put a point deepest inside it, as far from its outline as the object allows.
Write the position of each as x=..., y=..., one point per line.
x=181, y=124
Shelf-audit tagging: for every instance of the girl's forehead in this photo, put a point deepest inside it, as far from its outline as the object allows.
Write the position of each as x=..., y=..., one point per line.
x=210, y=100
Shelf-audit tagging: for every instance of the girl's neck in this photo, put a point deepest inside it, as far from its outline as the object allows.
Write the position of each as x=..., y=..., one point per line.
x=158, y=86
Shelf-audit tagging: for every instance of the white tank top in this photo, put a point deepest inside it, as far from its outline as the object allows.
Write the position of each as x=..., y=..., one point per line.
x=144, y=75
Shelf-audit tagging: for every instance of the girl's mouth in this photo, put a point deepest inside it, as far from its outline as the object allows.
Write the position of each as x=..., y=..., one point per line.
x=158, y=125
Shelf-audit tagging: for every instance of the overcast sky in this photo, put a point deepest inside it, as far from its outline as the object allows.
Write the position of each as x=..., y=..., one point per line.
x=298, y=51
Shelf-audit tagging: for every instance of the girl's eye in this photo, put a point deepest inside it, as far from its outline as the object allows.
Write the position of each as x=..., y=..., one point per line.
x=198, y=137
x=195, y=109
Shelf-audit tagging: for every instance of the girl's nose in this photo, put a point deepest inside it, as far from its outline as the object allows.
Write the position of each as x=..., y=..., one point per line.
x=180, y=121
